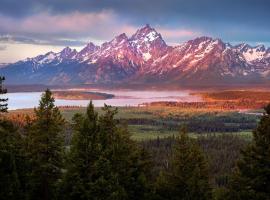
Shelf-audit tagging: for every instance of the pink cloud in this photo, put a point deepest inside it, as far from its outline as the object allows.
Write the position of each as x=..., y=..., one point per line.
x=44, y=23
x=74, y=22
x=177, y=33
x=96, y=26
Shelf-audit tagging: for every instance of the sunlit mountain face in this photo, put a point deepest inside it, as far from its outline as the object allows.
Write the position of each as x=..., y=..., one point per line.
x=146, y=58
x=91, y=42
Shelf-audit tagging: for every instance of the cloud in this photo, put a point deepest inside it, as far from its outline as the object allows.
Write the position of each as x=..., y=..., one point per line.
x=75, y=28
x=71, y=28
x=73, y=23
x=25, y=40
x=3, y=47
x=175, y=36
x=176, y=33
x=235, y=11
x=177, y=20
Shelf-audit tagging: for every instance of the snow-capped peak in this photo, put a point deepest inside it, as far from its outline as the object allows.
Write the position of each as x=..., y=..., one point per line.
x=243, y=47
x=148, y=43
x=119, y=39
x=146, y=53
x=117, y=42
x=146, y=34
x=261, y=48
x=47, y=58
x=88, y=50
x=67, y=53
x=251, y=53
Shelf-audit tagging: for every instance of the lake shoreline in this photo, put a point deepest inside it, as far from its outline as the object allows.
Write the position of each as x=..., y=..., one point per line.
x=140, y=87
x=81, y=95
x=118, y=98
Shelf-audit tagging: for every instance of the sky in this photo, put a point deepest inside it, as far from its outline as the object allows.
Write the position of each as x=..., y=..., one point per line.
x=32, y=27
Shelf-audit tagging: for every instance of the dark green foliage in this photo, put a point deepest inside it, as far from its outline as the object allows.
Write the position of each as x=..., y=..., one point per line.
x=45, y=149
x=126, y=164
x=222, y=152
x=13, y=165
x=103, y=162
x=252, y=177
x=83, y=153
x=3, y=101
x=199, y=123
x=9, y=181
x=187, y=175
x=12, y=157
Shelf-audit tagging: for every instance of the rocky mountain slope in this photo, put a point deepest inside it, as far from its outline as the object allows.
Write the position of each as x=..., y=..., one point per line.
x=145, y=58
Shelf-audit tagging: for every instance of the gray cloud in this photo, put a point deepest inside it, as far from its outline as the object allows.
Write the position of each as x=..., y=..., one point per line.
x=231, y=20
x=246, y=11
x=26, y=40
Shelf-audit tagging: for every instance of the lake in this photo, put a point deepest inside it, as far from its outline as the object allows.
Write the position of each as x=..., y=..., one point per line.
x=122, y=98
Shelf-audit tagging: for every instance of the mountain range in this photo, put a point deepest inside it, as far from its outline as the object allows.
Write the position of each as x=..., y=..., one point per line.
x=145, y=58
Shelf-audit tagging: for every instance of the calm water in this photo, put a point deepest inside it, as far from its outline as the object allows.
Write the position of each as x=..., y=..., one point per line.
x=122, y=98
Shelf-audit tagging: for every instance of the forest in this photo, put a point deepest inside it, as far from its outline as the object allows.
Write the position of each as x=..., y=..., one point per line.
x=91, y=155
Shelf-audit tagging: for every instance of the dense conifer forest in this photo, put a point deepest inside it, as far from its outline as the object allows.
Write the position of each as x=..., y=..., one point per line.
x=93, y=157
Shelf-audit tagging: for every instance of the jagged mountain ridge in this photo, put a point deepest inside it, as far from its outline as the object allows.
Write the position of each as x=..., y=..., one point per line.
x=146, y=58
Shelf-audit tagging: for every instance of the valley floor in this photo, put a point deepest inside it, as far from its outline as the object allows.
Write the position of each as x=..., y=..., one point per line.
x=234, y=112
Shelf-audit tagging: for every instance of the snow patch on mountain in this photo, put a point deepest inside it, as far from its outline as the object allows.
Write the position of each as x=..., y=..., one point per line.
x=153, y=35
x=145, y=53
x=146, y=56
x=253, y=54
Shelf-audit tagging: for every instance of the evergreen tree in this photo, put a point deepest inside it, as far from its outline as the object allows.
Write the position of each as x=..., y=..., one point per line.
x=3, y=101
x=45, y=149
x=83, y=154
x=12, y=156
x=251, y=179
x=9, y=153
x=104, y=163
x=187, y=176
x=123, y=168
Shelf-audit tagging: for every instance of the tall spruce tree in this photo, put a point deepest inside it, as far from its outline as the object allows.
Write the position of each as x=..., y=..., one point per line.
x=83, y=153
x=251, y=179
x=12, y=156
x=9, y=157
x=45, y=149
x=122, y=167
x=104, y=163
x=3, y=101
x=187, y=176
x=9, y=182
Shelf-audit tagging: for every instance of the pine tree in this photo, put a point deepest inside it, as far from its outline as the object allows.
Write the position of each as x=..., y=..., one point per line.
x=251, y=179
x=187, y=176
x=104, y=163
x=83, y=154
x=123, y=168
x=9, y=153
x=12, y=156
x=3, y=101
x=45, y=149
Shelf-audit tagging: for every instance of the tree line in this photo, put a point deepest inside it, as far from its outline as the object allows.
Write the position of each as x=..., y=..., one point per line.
x=102, y=162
